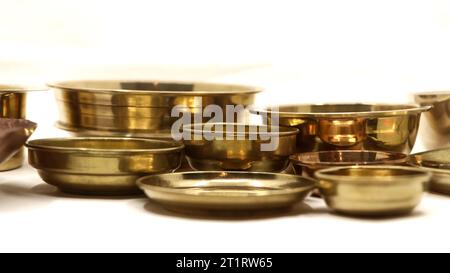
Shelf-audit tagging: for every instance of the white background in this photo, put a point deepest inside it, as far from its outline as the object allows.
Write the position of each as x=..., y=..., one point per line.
x=300, y=51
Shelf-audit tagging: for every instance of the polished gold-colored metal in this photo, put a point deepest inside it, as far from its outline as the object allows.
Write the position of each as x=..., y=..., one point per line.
x=139, y=108
x=436, y=133
x=323, y=127
x=307, y=164
x=225, y=191
x=372, y=190
x=13, y=105
x=13, y=135
x=102, y=165
x=438, y=163
x=237, y=147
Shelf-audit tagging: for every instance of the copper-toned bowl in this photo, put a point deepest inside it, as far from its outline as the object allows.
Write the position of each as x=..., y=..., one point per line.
x=307, y=164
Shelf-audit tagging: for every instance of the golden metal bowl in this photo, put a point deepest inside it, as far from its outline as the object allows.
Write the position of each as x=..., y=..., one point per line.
x=13, y=135
x=437, y=134
x=13, y=105
x=323, y=127
x=307, y=164
x=102, y=166
x=225, y=191
x=242, y=150
x=438, y=163
x=372, y=190
x=138, y=108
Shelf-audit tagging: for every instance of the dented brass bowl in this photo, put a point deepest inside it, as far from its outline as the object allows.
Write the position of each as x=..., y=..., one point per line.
x=225, y=191
x=381, y=127
x=13, y=105
x=438, y=163
x=373, y=190
x=139, y=108
x=307, y=164
x=239, y=147
x=436, y=129
x=102, y=165
x=13, y=135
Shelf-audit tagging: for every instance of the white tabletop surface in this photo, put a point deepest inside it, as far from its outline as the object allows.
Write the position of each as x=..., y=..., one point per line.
x=34, y=216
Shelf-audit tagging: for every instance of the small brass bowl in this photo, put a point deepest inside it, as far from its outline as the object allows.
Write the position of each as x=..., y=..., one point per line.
x=101, y=165
x=323, y=127
x=137, y=108
x=242, y=150
x=13, y=135
x=225, y=191
x=438, y=163
x=436, y=132
x=307, y=164
x=373, y=190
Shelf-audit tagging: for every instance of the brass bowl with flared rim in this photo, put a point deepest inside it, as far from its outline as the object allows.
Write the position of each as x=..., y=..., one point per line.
x=225, y=191
x=102, y=165
x=323, y=127
x=373, y=190
x=239, y=147
x=438, y=163
x=140, y=107
x=307, y=164
x=436, y=130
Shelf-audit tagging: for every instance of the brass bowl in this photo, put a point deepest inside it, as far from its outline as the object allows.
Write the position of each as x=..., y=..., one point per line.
x=438, y=163
x=13, y=135
x=13, y=105
x=381, y=127
x=307, y=164
x=372, y=190
x=436, y=132
x=242, y=150
x=102, y=165
x=136, y=108
x=225, y=191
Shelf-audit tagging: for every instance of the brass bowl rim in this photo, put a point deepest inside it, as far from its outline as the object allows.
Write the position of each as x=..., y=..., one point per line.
x=437, y=167
x=403, y=110
x=40, y=144
x=310, y=183
x=71, y=85
x=287, y=130
x=415, y=173
x=16, y=88
x=295, y=158
x=432, y=96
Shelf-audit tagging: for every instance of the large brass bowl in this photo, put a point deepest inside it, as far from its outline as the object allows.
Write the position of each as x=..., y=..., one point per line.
x=323, y=127
x=101, y=165
x=372, y=190
x=436, y=132
x=139, y=108
x=225, y=191
x=438, y=163
x=241, y=150
x=13, y=105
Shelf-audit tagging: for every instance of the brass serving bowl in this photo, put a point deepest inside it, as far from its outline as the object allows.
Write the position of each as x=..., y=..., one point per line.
x=438, y=163
x=102, y=165
x=436, y=132
x=13, y=135
x=138, y=108
x=323, y=127
x=241, y=150
x=13, y=105
x=372, y=190
x=307, y=164
x=225, y=191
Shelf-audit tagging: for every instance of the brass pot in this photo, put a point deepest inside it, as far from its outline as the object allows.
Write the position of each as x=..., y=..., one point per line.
x=382, y=127
x=138, y=108
x=436, y=132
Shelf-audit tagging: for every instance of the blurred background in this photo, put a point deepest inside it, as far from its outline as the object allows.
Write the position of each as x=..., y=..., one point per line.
x=304, y=51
